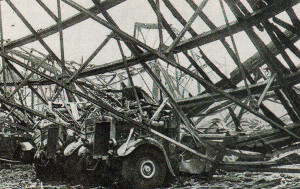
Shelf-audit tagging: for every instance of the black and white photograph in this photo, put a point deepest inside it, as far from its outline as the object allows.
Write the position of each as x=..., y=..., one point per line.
x=179, y=94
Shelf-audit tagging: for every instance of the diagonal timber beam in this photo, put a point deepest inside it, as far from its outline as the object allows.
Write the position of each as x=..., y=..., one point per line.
x=187, y=26
x=26, y=79
x=278, y=45
x=287, y=106
x=263, y=94
x=273, y=63
x=99, y=102
x=136, y=51
x=77, y=18
x=51, y=14
x=173, y=36
x=201, y=39
x=237, y=56
x=34, y=32
x=177, y=15
x=84, y=65
x=30, y=86
x=286, y=25
x=236, y=26
x=42, y=42
x=125, y=36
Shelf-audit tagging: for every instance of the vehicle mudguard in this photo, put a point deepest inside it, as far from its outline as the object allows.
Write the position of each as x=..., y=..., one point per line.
x=133, y=144
x=26, y=146
x=72, y=147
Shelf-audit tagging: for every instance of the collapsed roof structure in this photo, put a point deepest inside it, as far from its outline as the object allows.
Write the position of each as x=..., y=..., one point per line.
x=201, y=59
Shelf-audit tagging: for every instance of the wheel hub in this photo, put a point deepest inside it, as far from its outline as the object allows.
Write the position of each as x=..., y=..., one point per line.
x=148, y=169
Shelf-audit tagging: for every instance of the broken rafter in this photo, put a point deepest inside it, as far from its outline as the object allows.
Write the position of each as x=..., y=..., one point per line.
x=237, y=56
x=136, y=42
x=252, y=63
x=286, y=41
x=75, y=75
x=99, y=102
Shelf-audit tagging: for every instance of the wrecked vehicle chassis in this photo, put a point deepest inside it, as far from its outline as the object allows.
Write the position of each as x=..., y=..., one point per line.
x=111, y=149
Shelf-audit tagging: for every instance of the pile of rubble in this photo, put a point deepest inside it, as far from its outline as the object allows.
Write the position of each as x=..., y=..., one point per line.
x=243, y=180
x=23, y=176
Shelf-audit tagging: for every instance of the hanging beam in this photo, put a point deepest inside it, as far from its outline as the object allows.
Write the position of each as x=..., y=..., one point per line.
x=237, y=56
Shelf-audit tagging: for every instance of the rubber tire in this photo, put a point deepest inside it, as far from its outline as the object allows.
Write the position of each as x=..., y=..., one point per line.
x=131, y=169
